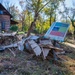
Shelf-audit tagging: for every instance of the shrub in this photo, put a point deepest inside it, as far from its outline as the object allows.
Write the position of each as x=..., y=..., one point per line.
x=14, y=28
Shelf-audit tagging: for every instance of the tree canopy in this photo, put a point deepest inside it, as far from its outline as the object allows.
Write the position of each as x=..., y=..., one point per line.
x=40, y=14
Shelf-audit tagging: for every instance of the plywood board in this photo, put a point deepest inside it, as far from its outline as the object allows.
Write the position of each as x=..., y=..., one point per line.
x=35, y=47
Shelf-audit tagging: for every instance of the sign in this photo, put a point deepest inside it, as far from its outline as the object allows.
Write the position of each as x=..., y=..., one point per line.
x=57, y=31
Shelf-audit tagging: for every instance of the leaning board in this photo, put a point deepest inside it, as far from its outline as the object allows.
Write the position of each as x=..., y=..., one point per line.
x=57, y=31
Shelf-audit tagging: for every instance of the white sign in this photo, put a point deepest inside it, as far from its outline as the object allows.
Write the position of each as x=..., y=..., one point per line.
x=57, y=31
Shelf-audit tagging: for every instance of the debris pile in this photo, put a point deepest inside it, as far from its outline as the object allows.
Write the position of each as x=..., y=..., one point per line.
x=8, y=38
x=34, y=44
x=43, y=46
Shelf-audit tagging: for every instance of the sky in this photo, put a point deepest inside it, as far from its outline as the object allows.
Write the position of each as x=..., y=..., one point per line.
x=70, y=3
x=16, y=2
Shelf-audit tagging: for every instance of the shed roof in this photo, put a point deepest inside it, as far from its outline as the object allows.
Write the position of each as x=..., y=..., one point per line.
x=13, y=22
x=4, y=10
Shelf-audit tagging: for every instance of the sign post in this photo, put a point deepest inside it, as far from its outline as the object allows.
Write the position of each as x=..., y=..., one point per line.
x=57, y=31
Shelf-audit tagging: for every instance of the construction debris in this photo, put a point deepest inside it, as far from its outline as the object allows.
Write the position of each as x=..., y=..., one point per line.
x=46, y=45
x=35, y=47
x=8, y=34
x=43, y=47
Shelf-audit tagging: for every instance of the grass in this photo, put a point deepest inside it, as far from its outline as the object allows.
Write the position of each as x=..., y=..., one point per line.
x=21, y=32
x=25, y=64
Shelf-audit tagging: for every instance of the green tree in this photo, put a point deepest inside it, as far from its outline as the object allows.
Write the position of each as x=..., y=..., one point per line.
x=51, y=9
x=36, y=11
x=39, y=25
x=25, y=15
x=70, y=13
x=36, y=8
x=27, y=21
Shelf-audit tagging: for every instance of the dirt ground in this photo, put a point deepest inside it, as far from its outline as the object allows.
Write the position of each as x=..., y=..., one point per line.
x=25, y=63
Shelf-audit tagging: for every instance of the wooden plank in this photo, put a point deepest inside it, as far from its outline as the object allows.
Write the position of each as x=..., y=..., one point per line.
x=8, y=34
x=45, y=52
x=0, y=26
x=45, y=42
x=51, y=47
x=35, y=47
x=56, y=48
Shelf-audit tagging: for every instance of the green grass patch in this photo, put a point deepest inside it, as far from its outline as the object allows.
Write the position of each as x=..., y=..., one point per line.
x=21, y=32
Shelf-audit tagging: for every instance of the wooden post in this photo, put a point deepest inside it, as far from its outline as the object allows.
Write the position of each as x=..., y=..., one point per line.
x=53, y=51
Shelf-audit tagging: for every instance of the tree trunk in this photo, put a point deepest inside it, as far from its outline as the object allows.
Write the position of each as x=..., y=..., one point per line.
x=31, y=27
x=32, y=24
x=55, y=18
x=74, y=28
x=50, y=20
x=74, y=33
x=22, y=24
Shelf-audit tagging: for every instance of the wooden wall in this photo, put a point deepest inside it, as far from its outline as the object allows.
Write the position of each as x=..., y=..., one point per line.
x=6, y=20
x=0, y=26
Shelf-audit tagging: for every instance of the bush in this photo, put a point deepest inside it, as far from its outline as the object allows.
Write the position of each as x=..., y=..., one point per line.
x=14, y=28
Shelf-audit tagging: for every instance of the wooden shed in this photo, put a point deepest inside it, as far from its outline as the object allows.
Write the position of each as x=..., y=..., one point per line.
x=5, y=19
